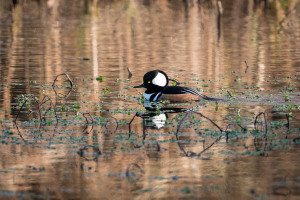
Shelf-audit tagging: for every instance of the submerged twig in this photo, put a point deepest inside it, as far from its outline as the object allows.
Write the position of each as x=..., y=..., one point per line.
x=219, y=138
x=19, y=133
x=40, y=104
x=228, y=126
x=105, y=125
x=87, y=123
x=288, y=121
x=130, y=175
x=70, y=81
x=265, y=120
x=247, y=66
x=229, y=93
x=191, y=111
x=15, y=122
x=129, y=126
x=190, y=153
x=157, y=147
x=129, y=73
x=137, y=114
x=256, y=126
x=131, y=165
x=81, y=152
x=38, y=112
x=23, y=104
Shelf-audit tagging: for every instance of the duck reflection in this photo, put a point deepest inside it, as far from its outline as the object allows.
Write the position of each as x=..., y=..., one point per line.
x=193, y=139
x=156, y=121
x=156, y=114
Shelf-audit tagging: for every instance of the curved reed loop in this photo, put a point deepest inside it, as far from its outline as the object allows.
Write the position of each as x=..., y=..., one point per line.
x=54, y=86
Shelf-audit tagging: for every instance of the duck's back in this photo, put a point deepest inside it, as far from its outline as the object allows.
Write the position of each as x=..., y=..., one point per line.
x=181, y=94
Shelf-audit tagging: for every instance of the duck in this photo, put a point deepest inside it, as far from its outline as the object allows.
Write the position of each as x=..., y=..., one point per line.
x=157, y=89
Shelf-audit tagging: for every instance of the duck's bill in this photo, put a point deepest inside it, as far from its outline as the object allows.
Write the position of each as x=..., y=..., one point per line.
x=139, y=86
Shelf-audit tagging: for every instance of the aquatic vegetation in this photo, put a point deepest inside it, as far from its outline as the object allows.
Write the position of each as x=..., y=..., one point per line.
x=100, y=79
x=80, y=125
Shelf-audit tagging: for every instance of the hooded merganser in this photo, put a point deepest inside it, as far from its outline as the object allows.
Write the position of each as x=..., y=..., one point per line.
x=156, y=83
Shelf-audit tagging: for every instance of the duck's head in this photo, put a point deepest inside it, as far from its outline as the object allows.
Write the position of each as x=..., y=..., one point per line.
x=155, y=80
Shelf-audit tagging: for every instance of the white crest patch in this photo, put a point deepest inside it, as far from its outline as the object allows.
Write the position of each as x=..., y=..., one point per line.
x=160, y=80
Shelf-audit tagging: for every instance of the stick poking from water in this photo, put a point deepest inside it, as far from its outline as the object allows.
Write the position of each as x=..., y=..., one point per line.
x=137, y=114
x=15, y=120
x=108, y=119
x=134, y=172
x=82, y=153
x=229, y=93
x=190, y=153
x=70, y=81
x=228, y=127
x=288, y=121
x=129, y=73
x=256, y=123
x=247, y=66
x=87, y=123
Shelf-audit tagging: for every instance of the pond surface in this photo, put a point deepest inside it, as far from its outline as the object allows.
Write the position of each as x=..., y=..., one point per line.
x=77, y=139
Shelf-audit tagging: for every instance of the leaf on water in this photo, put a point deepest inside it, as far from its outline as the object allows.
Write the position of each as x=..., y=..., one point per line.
x=106, y=90
x=100, y=79
x=286, y=98
x=217, y=106
x=186, y=190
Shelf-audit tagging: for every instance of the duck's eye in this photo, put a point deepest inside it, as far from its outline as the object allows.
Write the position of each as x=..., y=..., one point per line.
x=149, y=82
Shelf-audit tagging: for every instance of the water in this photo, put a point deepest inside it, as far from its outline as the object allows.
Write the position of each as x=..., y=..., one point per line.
x=193, y=44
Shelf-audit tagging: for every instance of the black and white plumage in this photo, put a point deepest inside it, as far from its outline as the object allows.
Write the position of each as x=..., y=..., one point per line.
x=156, y=83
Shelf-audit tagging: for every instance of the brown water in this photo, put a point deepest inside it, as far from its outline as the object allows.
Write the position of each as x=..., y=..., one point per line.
x=194, y=44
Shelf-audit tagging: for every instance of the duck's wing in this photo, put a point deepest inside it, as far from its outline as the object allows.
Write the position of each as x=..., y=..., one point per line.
x=184, y=90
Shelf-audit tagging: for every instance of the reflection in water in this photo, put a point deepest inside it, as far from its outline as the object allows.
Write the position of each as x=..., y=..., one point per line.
x=82, y=150
x=157, y=121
